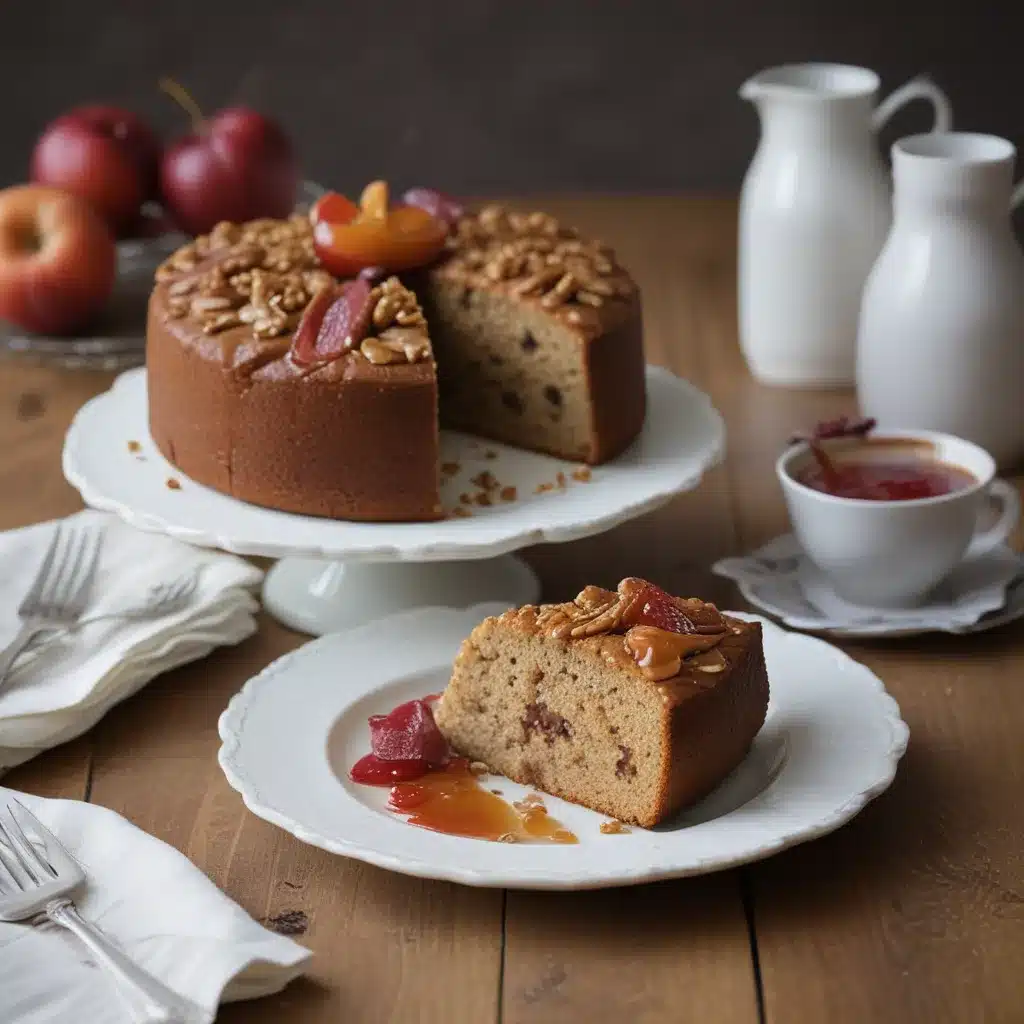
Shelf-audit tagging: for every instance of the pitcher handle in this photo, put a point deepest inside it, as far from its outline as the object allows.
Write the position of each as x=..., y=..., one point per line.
x=920, y=88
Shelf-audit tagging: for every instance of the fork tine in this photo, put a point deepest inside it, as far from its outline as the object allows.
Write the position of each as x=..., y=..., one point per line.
x=8, y=879
x=19, y=863
x=50, y=590
x=42, y=572
x=57, y=857
x=78, y=591
x=26, y=853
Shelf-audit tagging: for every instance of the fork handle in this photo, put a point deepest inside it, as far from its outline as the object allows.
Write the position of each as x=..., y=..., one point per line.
x=10, y=653
x=148, y=998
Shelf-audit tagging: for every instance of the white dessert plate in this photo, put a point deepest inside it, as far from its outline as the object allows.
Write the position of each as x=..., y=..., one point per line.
x=831, y=742
x=682, y=438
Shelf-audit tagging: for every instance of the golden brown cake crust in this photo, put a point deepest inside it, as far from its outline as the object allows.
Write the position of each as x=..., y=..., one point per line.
x=346, y=439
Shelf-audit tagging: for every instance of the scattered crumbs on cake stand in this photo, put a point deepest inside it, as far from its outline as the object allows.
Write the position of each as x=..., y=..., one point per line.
x=335, y=574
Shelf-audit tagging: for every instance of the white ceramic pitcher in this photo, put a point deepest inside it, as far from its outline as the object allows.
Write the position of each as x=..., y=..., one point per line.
x=814, y=214
x=941, y=344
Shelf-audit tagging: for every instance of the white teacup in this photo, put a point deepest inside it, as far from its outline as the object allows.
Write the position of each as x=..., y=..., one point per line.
x=892, y=554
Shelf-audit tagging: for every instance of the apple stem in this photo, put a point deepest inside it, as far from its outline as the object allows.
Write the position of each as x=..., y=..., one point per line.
x=181, y=96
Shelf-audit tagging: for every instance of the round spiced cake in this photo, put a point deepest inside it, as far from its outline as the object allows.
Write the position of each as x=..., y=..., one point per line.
x=282, y=384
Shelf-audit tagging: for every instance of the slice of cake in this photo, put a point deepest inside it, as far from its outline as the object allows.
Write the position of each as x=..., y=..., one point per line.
x=630, y=702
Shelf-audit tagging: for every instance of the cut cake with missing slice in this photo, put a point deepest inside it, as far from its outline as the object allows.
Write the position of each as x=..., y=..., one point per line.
x=630, y=702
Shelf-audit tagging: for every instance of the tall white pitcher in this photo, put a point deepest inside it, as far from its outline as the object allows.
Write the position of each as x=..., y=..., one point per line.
x=814, y=214
x=942, y=323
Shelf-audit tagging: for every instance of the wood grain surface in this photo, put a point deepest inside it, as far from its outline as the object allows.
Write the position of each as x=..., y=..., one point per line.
x=912, y=912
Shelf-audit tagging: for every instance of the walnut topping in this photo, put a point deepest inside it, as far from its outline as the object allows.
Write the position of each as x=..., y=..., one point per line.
x=536, y=256
x=401, y=330
x=263, y=273
x=658, y=632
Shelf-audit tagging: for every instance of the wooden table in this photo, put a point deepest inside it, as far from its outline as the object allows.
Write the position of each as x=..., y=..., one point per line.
x=912, y=912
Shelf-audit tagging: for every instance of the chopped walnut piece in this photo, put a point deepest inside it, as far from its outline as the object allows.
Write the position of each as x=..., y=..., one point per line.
x=508, y=837
x=541, y=488
x=461, y=513
x=614, y=828
x=450, y=468
x=483, y=499
x=508, y=494
x=134, y=447
x=583, y=475
x=173, y=484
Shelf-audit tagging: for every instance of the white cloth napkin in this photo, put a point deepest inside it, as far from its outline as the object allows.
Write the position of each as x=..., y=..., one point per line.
x=781, y=576
x=162, y=911
x=60, y=689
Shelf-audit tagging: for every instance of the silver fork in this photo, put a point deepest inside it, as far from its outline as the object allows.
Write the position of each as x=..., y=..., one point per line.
x=60, y=590
x=34, y=882
x=161, y=599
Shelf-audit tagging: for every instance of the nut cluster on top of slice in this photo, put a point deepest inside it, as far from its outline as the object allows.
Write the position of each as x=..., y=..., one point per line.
x=398, y=326
x=537, y=256
x=263, y=273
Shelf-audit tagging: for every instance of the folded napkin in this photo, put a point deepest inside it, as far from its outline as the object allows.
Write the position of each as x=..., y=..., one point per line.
x=781, y=575
x=61, y=688
x=162, y=911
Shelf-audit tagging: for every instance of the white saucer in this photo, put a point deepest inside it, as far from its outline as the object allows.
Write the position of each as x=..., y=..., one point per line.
x=779, y=580
x=831, y=743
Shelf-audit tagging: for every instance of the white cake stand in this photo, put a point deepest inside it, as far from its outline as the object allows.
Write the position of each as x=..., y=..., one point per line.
x=334, y=574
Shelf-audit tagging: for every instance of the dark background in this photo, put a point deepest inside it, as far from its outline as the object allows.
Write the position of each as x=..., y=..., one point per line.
x=490, y=96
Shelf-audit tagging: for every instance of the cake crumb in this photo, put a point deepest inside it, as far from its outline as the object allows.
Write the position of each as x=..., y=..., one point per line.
x=614, y=828
x=134, y=447
x=173, y=484
x=465, y=498
x=483, y=498
x=560, y=478
x=478, y=768
x=490, y=454
x=460, y=513
x=450, y=468
x=546, y=486
x=583, y=475
x=486, y=480
x=508, y=494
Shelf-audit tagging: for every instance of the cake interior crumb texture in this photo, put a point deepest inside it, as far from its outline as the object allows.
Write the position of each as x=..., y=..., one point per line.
x=555, y=715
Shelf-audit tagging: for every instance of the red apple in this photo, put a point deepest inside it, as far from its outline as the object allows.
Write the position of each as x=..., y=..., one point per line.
x=103, y=154
x=237, y=165
x=57, y=260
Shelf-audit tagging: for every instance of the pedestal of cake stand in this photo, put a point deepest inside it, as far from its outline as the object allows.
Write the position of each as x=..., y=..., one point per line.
x=320, y=596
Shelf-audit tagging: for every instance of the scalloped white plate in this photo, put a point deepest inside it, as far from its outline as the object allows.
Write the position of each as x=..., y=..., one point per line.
x=831, y=742
x=682, y=438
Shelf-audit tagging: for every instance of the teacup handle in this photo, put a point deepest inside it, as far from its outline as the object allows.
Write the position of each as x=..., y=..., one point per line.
x=1018, y=195
x=920, y=88
x=985, y=541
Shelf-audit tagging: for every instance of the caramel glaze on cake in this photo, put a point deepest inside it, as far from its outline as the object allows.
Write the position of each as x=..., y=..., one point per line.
x=554, y=697
x=537, y=335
